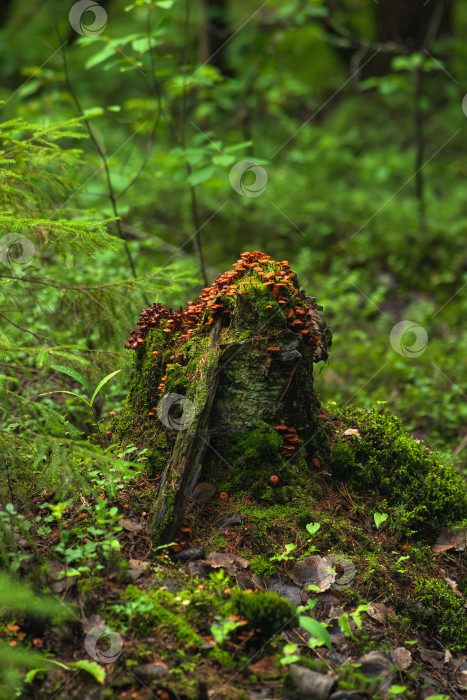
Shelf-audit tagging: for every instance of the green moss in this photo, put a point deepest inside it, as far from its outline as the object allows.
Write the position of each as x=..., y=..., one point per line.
x=260, y=447
x=222, y=657
x=257, y=298
x=261, y=566
x=158, y=608
x=268, y=612
x=389, y=467
x=343, y=461
x=437, y=609
x=176, y=381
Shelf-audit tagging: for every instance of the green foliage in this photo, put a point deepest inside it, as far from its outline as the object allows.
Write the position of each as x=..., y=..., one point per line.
x=436, y=608
x=82, y=550
x=144, y=610
x=319, y=634
x=19, y=599
x=395, y=471
x=84, y=382
x=284, y=556
x=222, y=628
x=267, y=612
x=379, y=519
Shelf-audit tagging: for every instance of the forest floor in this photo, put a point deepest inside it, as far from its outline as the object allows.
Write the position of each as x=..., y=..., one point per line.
x=223, y=623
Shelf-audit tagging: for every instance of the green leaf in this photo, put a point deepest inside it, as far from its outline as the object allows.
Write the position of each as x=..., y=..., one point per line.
x=380, y=518
x=238, y=147
x=30, y=675
x=102, y=55
x=101, y=384
x=47, y=393
x=313, y=528
x=74, y=374
x=317, y=629
x=220, y=630
x=144, y=44
x=91, y=667
x=356, y=617
x=199, y=176
x=289, y=660
x=344, y=624
x=223, y=161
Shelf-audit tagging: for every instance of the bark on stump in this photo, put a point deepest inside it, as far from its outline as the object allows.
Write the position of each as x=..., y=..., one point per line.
x=222, y=390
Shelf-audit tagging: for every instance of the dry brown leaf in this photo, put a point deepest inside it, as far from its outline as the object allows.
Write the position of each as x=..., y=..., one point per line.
x=264, y=667
x=449, y=538
x=130, y=525
x=401, y=658
x=204, y=491
x=379, y=612
x=137, y=566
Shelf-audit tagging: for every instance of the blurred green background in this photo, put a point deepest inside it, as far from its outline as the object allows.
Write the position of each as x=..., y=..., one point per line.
x=354, y=111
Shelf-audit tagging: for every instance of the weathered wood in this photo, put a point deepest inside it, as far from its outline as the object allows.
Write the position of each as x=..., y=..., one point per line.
x=182, y=471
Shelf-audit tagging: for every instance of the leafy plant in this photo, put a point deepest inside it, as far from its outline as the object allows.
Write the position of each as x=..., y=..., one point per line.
x=82, y=380
x=379, y=519
x=344, y=621
x=223, y=627
x=288, y=548
x=20, y=599
x=289, y=655
x=319, y=634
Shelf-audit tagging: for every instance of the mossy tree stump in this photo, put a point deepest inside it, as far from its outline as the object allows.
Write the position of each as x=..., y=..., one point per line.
x=239, y=361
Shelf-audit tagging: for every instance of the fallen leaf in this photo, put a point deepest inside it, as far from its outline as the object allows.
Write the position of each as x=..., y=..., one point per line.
x=401, y=658
x=379, y=612
x=449, y=538
x=264, y=667
x=137, y=566
x=313, y=570
x=204, y=491
x=130, y=525
x=436, y=658
x=453, y=586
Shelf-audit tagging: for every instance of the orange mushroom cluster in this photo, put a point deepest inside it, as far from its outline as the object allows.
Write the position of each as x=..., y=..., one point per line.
x=256, y=268
x=291, y=440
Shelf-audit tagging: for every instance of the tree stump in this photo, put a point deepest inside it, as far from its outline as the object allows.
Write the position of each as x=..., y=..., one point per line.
x=222, y=390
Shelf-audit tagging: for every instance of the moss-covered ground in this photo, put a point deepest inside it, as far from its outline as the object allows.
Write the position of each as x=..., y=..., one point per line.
x=219, y=628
